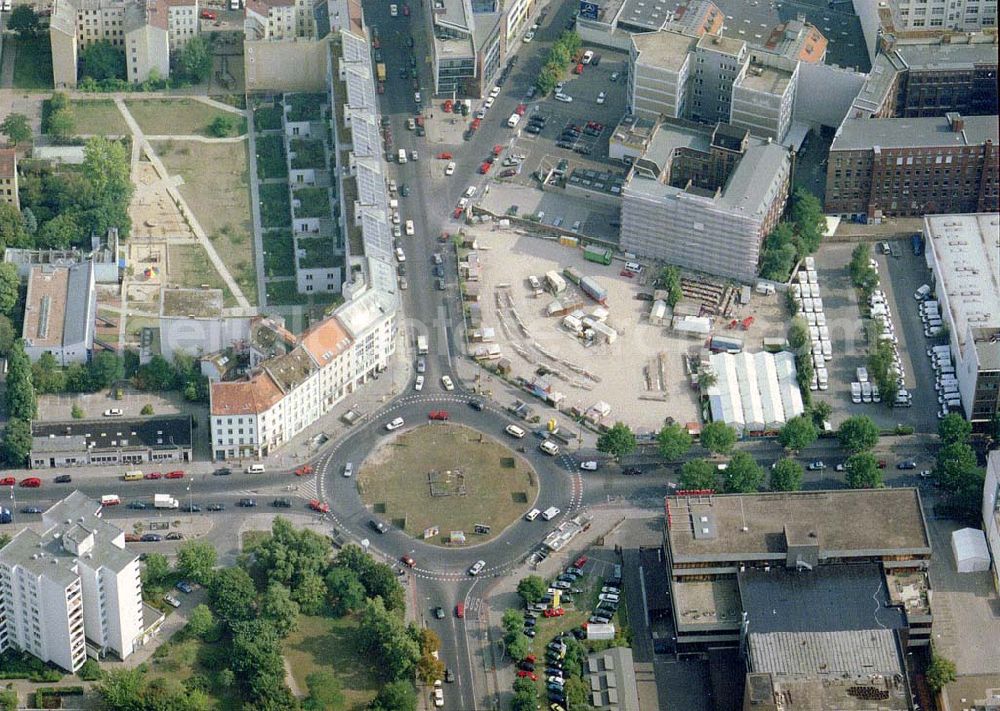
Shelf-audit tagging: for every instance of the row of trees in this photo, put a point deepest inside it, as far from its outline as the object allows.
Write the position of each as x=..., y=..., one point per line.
x=957, y=472
x=103, y=67
x=795, y=238
x=669, y=279
x=562, y=50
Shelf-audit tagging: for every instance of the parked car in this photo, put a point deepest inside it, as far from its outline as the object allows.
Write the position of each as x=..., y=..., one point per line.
x=8, y=481
x=247, y=503
x=172, y=601
x=378, y=526
x=184, y=586
x=63, y=479
x=151, y=538
x=175, y=536
x=175, y=475
x=320, y=506
x=216, y=507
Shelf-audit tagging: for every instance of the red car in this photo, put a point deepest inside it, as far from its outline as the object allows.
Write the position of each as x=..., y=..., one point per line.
x=408, y=561
x=626, y=273
x=578, y=69
x=529, y=658
x=178, y=474
x=444, y=156
x=321, y=506
x=460, y=610
x=153, y=475
x=485, y=168
x=476, y=123
x=8, y=481
x=527, y=675
x=406, y=10
x=556, y=612
x=448, y=105
x=521, y=109
x=438, y=415
x=497, y=149
x=580, y=562
x=208, y=15
x=457, y=213
x=32, y=482
x=304, y=470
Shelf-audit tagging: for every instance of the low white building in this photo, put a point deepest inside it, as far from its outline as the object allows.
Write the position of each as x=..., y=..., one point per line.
x=72, y=589
x=754, y=392
x=60, y=308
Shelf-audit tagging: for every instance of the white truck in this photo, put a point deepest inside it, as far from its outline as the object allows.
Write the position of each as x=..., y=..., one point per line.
x=401, y=155
x=110, y=500
x=421, y=345
x=165, y=501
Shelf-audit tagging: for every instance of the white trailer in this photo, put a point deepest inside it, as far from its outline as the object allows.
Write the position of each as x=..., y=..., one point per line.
x=165, y=501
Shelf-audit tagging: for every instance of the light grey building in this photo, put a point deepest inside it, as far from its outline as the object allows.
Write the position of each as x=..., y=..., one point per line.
x=60, y=309
x=963, y=15
x=705, y=200
x=110, y=442
x=454, y=46
x=763, y=97
x=660, y=64
x=611, y=675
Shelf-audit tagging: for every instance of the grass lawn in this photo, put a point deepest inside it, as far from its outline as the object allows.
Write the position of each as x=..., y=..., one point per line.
x=271, y=157
x=33, y=64
x=217, y=190
x=175, y=117
x=318, y=252
x=278, y=257
x=308, y=154
x=190, y=267
x=100, y=118
x=327, y=644
x=313, y=202
x=274, y=209
x=267, y=118
x=498, y=486
x=305, y=107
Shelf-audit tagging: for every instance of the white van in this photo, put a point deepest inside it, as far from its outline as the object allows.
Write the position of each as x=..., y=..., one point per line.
x=514, y=431
x=549, y=447
x=550, y=513
x=587, y=56
x=513, y=120
x=922, y=292
x=532, y=515
x=256, y=469
x=402, y=155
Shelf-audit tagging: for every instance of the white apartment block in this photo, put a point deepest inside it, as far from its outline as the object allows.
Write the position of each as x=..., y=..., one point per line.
x=279, y=19
x=961, y=15
x=71, y=590
x=287, y=393
x=182, y=22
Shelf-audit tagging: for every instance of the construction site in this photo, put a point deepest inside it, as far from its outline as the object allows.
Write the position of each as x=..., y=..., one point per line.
x=592, y=336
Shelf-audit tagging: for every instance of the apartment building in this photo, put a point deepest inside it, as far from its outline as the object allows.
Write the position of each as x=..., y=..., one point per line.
x=712, y=79
x=148, y=31
x=963, y=253
x=705, y=199
x=70, y=588
x=913, y=167
x=991, y=512
x=8, y=178
x=962, y=15
x=60, y=308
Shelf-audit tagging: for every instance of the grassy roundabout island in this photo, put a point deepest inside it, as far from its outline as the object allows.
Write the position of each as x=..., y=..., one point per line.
x=449, y=477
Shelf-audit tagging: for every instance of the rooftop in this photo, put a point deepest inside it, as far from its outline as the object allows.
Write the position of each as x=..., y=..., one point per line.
x=667, y=139
x=722, y=44
x=8, y=163
x=826, y=654
x=970, y=689
x=859, y=522
x=930, y=132
x=253, y=396
x=806, y=692
x=945, y=57
x=292, y=369
x=57, y=304
x=191, y=303
x=358, y=315
x=878, y=84
x=663, y=50
x=966, y=251
x=164, y=432
x=270, y=337
x=797, y=39
x=325, y=341
x=612, y=680
x=750, y=187
x=707, y=603
x=645, y=14
x=771, y=80
x=697, y=17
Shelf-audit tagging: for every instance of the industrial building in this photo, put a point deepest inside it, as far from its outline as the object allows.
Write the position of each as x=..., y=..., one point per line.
x=963, y=254
x=111, y=442
x=70, y=589
x=802, y=562
x=702, y=199
x=913, y=166
x=754, y=392
x=60, y=311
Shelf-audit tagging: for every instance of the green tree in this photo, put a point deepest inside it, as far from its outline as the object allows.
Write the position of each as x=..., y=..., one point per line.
x=278, y=608
x=858, y=434
x=62, y=124
x=157, y=374
x=47, y=376
x=699, y=474
x=511, y=621
x=29, y=221
x=798, y=334
x=674, y=442
x=707, y=378
x=196, y=561
x=786, y=475
x=24, y=21
x=617, y=441
x=60, y=232
x=345, y=592
x=102, y=61
x=779, y=253
x=718, y=437
x=518, y=646
x=7, y=336
x=106, y=368
x=12, y=232
x=16, y=442
x=326, y=693
x=310, y=593
x=429, y=669
x=743, y=475
x=940, y=672
x=221, y=126
x=122, y=689
x=156, y=570
x=821, y=412
x=954, y=429
x=382, y=635
x=395, y=696
x=10, y=286
x=195, y=60
x=810, y=222
x=798, y=433
x=953, y=461
x=669, y=279
x=232, y=595
x=379, y=580
x=21, y=401
x=259, y=666
x=863, y=472
x=15, y=126
x=76, y=412
x=201, y=622
x=531, y=589
x=577, y=693
x=8, y=697
x=106, y=167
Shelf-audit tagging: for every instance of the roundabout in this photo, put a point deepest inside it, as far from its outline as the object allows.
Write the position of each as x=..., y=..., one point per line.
x=447, y=484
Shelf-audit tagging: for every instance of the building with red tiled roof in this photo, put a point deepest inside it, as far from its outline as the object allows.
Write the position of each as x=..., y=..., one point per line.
x=798, y=40
x=8, y=177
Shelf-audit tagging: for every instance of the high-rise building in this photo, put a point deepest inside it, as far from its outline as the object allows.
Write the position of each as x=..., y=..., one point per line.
x=71, y=589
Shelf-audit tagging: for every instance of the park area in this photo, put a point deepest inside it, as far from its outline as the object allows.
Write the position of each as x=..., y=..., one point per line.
x=449, y=477
x=178, y=117
x=98, y=117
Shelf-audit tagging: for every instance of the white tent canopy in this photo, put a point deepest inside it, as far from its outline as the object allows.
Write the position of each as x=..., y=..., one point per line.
x=968, y=545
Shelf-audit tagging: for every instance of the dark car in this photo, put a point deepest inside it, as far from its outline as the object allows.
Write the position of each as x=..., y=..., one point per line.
x=439, y=283
x=439, y=612
x=223, y=471
x=281, y=504
x=583, y=150
x=216, y=507
x=449, y=676
x=631, y=471
x=533, y=128
x=526, y=666
x=564, y=144
x=908, y=464
x=529, y=631
x=378, y=526
x=530, y=622
x=247, y=503
x=138, y=505
x=438, y=270
x=151, y=538
x=477, y=405
x=63, y=479
x=192, y=508
x=184, y=586
x=175, y=536
x=31, y=510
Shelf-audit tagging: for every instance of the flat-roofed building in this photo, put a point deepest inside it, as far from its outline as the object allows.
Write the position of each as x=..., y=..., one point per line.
x=963, y=15
x=8, y=178
x=60, y=308
x=913, y=166
x=193, y=322
x=111, y=441
x=71, y=589
x=963, y=253
x=733, y=557
x=660, y=64
x=938, y=78
x=799, y=40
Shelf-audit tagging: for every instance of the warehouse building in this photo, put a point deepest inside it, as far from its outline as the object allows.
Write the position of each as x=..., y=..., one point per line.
x=963, y=253
x=110, y=442
x=60, y=311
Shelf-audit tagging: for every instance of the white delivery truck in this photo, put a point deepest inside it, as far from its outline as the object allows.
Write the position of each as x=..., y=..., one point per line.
x=421, y=345
x=165, y=501
x=550, y=513
x=513, y=120
x=110, y=500
x=856, y=393
x=402, y=155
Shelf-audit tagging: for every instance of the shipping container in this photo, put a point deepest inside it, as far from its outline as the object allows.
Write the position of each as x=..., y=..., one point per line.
x=594, y=290
x=600, y=255
x=727, y=344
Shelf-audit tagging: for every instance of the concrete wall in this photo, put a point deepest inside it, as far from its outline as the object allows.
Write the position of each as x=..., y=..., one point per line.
x=285, y=65
x=600, y=35
x=64, y=59
x=150, y=47
x=825, y=94
x=867, y=12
